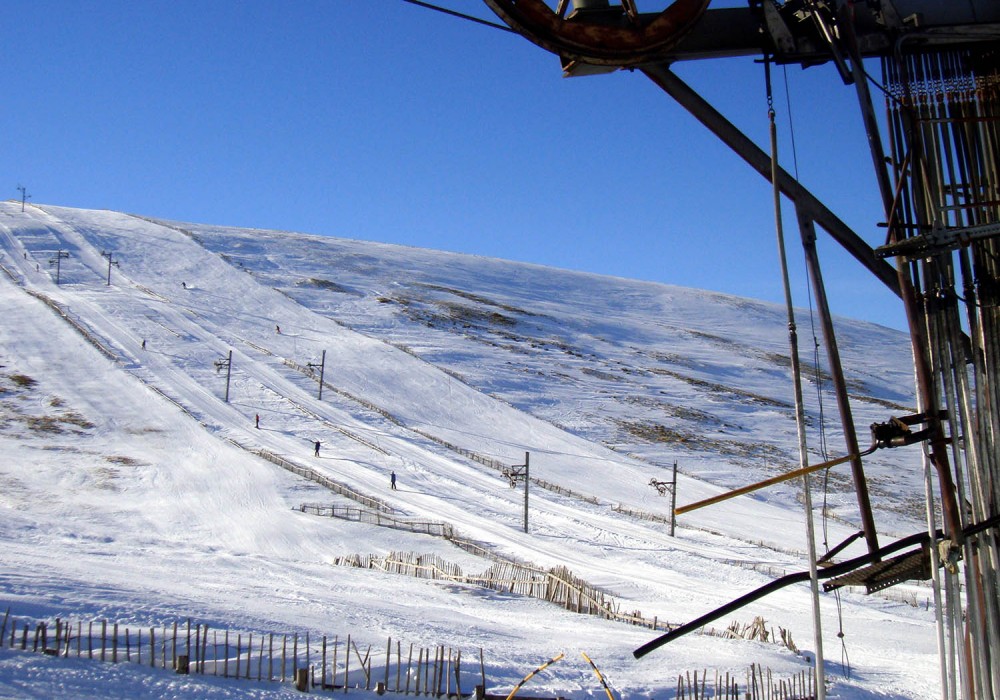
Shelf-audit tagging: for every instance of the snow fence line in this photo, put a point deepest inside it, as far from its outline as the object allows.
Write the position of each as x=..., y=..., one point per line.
x=314, y=663
x=371, y=502
x=83, y=330
x=310, y=662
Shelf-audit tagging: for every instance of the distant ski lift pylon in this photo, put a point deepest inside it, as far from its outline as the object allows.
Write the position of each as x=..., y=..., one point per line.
x=514, y=473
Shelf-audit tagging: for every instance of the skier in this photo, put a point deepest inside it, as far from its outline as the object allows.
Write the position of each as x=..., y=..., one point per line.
x=277, y=329
x=143, y=343
x=392, y=481
x=316, y=450
x=256, y=421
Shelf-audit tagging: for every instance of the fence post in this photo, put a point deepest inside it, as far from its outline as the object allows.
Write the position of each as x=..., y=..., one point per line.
x=204, y=648
x=388, y=662
x=347, y=661
x=3, y=628
x=260, y=659
x=302, y=679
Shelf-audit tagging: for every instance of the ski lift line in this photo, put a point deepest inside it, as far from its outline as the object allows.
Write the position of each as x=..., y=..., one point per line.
x=460, y=15
x=768, y=482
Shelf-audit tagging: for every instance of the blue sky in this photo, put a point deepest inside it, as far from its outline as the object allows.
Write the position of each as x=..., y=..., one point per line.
x=384, y=121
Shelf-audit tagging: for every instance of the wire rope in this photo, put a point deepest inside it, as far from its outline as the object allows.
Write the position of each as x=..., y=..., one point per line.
x=460, y=15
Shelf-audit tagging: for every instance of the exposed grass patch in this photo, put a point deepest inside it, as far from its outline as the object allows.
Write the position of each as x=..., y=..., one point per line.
x=122, y=460
x=23, y=380
x=740, y=395
x=657, y=433
x=479, y=299
x=326, y=285
x=686, y=413
x=43, y=424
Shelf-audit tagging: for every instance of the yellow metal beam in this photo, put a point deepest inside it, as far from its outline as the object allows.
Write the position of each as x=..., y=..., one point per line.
x=761, y=484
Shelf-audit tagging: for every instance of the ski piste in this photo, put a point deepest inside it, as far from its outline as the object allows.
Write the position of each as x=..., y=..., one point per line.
x=530, y=675
x=600, y=676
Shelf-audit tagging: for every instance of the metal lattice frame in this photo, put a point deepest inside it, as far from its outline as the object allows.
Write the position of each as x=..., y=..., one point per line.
x=944, y=122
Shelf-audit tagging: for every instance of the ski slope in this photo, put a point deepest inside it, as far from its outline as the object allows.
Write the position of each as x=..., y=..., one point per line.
x=140, y=497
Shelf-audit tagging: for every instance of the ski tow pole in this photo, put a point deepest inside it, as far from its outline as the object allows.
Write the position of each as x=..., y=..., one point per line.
x=529, y=676
x=600, y=676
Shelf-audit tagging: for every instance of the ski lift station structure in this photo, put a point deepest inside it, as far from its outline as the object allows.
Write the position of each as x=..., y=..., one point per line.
x=935, y=152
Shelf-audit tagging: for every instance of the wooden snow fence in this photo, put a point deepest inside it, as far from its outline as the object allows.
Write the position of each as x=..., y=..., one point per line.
x=641, y=515
x=373, y=517
x=310, y=662
x=502, y=466
x=557, y=585
x=325, y=481
x=760, y=684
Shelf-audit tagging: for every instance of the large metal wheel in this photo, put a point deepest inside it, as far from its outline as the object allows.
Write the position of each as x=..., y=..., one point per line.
x=597, y=32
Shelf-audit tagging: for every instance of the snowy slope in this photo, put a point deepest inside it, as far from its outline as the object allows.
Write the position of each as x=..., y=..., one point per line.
x=131, y=490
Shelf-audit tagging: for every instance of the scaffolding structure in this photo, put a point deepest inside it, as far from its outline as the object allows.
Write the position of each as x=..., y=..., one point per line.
x=943, y=112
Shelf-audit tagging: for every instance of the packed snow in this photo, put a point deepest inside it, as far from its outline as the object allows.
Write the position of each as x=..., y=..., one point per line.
x=131, y=489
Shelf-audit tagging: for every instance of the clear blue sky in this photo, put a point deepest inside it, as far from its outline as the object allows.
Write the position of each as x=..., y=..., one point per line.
x=383, y=121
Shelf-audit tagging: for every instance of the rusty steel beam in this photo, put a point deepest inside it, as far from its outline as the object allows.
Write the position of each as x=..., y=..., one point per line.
x=760, y=161
x=612, y=36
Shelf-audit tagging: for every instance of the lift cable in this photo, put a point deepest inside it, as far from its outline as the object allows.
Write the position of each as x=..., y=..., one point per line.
x=460, y=15
x=797, y=387
x=823, y=446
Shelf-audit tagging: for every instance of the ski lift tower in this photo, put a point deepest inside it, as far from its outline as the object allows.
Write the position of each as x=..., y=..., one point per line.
x=936, y=165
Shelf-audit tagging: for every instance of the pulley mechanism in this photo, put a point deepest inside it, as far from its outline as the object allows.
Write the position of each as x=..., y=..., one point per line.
x=598, y=32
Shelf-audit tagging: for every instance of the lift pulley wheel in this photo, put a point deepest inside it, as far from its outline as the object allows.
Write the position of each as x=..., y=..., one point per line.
x=613, y=35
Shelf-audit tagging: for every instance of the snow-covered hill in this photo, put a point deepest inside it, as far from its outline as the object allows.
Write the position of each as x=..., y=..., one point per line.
x=131, y=489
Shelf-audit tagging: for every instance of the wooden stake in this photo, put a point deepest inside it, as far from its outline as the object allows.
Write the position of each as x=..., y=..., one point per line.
x=260, y=660
x=204, y=647
x=420, y=658
x=3, y=628
x=347, y=661
x=409, y=662
x=322, y=680
x=388, y=660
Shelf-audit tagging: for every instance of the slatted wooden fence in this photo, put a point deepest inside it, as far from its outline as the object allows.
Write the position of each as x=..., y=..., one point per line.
x=760, y=684
x=319, y=663
x=557, y=585
x=310, y=662
x=362, y=515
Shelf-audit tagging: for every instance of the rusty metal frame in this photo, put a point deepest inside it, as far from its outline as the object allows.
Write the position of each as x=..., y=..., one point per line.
x=617, y=36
